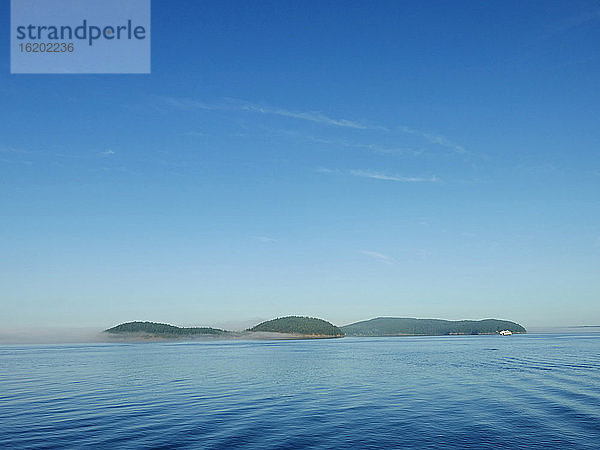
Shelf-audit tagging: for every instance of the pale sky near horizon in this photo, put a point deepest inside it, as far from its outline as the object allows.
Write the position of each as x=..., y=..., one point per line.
x=343, y=160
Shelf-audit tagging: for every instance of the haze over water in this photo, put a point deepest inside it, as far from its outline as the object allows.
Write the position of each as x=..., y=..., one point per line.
x=525, y=391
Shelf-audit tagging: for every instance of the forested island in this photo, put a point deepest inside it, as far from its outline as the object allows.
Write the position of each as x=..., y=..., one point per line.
x=162, y=330
x=297, y=327
x=307, y=326
x=396, y=326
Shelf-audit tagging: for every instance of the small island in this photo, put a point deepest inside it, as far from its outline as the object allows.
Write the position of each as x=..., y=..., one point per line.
x=309, y=327
x=153, y=330
x=397, y=326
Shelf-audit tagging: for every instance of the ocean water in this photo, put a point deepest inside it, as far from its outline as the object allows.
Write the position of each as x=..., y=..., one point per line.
x=530, y=391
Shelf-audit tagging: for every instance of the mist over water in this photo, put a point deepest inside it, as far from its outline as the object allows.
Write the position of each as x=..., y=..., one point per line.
x=59, y=336
x=525, y=391
x=51, y=335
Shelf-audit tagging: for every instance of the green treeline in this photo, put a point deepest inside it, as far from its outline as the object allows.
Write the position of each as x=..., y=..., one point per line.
x=394, y=326
x=161, y=329
x=299, y=325
x=310, y=326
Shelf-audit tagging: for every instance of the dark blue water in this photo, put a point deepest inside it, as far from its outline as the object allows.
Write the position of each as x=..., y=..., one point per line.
x=531, y=391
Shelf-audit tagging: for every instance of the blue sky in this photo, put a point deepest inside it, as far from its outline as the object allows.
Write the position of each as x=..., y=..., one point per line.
x=344, y=160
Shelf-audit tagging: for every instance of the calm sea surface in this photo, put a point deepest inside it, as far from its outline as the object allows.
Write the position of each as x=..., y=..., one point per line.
x=531, y=391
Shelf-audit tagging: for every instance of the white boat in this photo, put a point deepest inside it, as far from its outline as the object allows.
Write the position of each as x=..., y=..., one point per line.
x=505, y=333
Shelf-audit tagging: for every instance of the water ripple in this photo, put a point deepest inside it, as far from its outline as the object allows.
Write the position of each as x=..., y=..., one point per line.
x=444, y=392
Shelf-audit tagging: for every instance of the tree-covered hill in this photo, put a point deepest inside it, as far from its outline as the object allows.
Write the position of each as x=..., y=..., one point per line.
x=395, y=326
x=162, y=329
x=299, y=325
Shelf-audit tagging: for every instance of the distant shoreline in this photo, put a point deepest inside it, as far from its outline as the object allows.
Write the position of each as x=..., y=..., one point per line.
x=282, y=328
x=300, y=327
x=241, y=336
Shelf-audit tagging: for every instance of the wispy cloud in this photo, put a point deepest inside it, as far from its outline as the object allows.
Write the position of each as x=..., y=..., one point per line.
x=236, y=105
x=10, y=150
x=377, y=175
x=317, y=117
x=323, y=119
x=311, y=117
x=360, y=145
x=265, y=239
x=536, y=169
x=575, y=21
x=387, y=177
x=187, y=103
x=435, y=139
x=107, y=152
x=376, y=255
x=325, y=170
